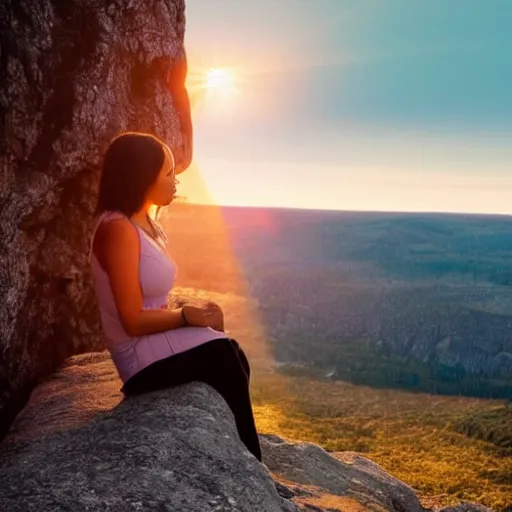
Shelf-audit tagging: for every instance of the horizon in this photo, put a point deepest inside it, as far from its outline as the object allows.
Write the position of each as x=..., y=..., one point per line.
x=367, y=106
x=185, y=201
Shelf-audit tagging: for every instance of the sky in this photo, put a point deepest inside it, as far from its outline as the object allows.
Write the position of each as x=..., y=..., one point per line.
x=381, y=105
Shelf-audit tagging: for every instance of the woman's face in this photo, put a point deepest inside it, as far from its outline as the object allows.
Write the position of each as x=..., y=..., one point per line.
x=164, y=189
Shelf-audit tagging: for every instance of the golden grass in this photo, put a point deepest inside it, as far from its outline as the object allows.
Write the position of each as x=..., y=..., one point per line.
x=408, y=434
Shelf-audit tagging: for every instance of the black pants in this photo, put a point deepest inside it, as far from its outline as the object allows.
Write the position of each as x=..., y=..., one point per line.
x=220, y=363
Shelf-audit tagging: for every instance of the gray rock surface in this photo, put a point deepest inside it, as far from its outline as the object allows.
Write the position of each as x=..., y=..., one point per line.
x=73, y=74
x=348, y=474
x=342, y=481
x=172, y=450
x=79, y=445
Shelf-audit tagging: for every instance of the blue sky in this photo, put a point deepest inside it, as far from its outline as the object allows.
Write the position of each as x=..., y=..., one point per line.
x=354, y=104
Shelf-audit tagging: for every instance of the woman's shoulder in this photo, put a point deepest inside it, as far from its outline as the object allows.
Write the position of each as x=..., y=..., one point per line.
x=110, y=215
x=115, y=222
x=115, y=230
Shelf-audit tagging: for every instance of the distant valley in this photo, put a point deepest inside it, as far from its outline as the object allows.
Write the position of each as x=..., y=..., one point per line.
x=416, y=301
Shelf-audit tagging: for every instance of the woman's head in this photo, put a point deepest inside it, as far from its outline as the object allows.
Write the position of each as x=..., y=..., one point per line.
x=138, y=170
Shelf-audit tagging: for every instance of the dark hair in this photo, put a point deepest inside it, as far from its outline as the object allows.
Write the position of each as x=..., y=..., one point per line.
x=131, y=165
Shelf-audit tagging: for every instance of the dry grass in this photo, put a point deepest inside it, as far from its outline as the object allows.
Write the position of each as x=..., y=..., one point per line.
x=408, y=434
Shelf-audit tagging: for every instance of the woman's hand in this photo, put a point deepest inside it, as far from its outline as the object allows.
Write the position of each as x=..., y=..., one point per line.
x=210, y=315
x=218, y=316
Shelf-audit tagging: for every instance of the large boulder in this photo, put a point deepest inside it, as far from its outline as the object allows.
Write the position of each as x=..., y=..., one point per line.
x=175, y=449
x=73, y=74
x=80, y=445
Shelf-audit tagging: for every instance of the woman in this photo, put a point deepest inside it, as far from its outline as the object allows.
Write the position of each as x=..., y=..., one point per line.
x=152, y=346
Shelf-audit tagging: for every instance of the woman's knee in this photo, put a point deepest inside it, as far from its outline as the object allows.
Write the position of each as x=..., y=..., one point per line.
x=233, y=356
x=234, y=343
x=237, y=347
x=224, y=349
x=242, y=357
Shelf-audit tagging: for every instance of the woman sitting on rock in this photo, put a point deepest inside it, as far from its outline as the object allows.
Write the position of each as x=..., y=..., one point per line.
x=153, y=346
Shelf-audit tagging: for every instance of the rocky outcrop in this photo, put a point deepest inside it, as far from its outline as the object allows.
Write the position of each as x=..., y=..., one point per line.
x=343, y=481
x=78, y=445
x=73, y=74
x=171, y=450
x=350, y=476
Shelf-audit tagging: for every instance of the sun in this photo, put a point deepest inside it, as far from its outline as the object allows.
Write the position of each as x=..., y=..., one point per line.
x=220, y=80
x=215, y=86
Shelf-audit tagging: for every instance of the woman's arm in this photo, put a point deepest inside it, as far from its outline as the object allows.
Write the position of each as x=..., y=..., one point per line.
x=116, y=246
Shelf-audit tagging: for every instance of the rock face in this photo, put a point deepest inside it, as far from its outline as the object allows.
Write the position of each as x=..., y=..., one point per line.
x=78, y=445
x=345, y=481
x=351, y=476
x=73, y=75
x=176, y=449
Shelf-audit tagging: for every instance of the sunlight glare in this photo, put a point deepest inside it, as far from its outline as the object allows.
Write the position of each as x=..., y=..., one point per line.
x=218, y=87
x=221, y=79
